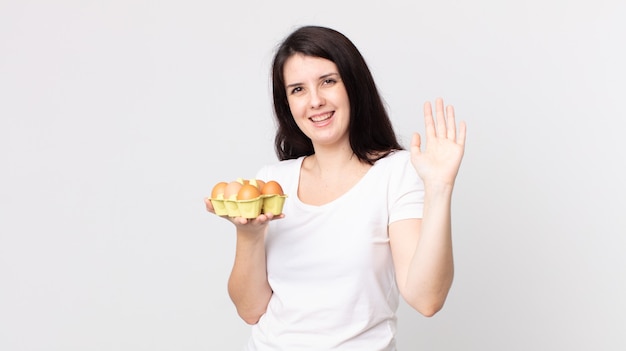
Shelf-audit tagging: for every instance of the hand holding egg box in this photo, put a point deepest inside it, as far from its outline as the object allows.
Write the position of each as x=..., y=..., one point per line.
x=247, y=198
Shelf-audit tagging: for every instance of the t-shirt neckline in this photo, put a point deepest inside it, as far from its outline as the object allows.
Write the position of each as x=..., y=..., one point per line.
x=334, y=202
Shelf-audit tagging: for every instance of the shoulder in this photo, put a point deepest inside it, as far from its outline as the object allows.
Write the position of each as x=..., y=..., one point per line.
x=279, y=169
x=284, y=165
x=398, y=170
x=395, y=158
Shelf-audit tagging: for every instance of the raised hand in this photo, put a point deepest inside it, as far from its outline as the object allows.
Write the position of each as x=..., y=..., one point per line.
x=438, y=163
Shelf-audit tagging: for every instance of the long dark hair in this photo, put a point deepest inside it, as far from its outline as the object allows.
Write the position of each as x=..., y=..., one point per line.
x=371, y=133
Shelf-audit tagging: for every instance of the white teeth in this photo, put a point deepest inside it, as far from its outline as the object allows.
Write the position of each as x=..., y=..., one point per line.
x=321, y=118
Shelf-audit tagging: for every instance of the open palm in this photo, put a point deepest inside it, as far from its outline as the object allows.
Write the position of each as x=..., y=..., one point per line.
x=440, y=160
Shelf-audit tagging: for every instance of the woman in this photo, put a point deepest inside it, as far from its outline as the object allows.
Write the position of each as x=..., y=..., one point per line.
x=365, y=222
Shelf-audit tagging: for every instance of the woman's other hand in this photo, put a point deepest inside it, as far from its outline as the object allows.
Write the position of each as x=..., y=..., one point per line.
x=439, y=162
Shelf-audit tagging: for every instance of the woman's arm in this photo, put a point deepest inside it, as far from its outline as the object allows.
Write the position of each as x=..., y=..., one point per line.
x=422, y=248
x=422, y=255
x=248, y=286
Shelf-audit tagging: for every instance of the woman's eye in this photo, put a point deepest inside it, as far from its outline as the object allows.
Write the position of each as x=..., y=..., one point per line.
x=296, y=90
x=329, y=81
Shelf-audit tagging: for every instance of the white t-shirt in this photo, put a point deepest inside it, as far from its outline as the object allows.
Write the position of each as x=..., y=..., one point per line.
x=330, y=266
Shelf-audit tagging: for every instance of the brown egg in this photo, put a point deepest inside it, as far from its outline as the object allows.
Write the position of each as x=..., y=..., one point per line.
x=248, y=192
x=218, y=190
x=272, y=188
x=231, y=190
x=258, y=183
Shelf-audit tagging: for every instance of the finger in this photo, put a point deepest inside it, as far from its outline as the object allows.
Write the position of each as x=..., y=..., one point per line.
x=260, y=219
x=429, y=122
x=209, y=205
x=441, y=118
x=416, y=143
x=240, y=220
x=451, y=122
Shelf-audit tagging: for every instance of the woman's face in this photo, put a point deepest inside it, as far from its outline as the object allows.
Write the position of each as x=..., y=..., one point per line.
x=318, y=100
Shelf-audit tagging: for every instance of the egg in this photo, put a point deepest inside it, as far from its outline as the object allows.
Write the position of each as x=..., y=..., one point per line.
x=272, y=187
x=248, y=192
x=231, y=190
x=218, y=190
x=258, y=183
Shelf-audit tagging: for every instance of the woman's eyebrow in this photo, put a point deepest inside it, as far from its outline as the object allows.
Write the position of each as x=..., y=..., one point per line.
x=329, y=75
x=293, y=85
x=324, y=76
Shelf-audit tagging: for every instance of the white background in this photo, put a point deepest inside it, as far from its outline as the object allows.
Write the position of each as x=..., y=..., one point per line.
x=117, y=117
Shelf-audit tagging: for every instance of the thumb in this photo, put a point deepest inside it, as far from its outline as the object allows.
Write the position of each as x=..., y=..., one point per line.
x=416, y=143
x=209, y=205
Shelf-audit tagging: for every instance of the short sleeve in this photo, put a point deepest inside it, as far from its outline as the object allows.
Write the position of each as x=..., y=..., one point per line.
x=406, y=190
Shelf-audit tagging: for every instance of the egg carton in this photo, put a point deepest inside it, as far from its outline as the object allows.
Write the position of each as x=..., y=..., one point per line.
x=249, y=208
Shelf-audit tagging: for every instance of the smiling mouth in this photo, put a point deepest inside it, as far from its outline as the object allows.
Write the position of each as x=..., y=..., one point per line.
x=321, y=117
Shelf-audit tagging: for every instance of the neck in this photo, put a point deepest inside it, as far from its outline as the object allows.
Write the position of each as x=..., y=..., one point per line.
x=332, y=161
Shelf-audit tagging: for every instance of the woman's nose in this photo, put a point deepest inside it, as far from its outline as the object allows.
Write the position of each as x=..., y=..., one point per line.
x=317, y=99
